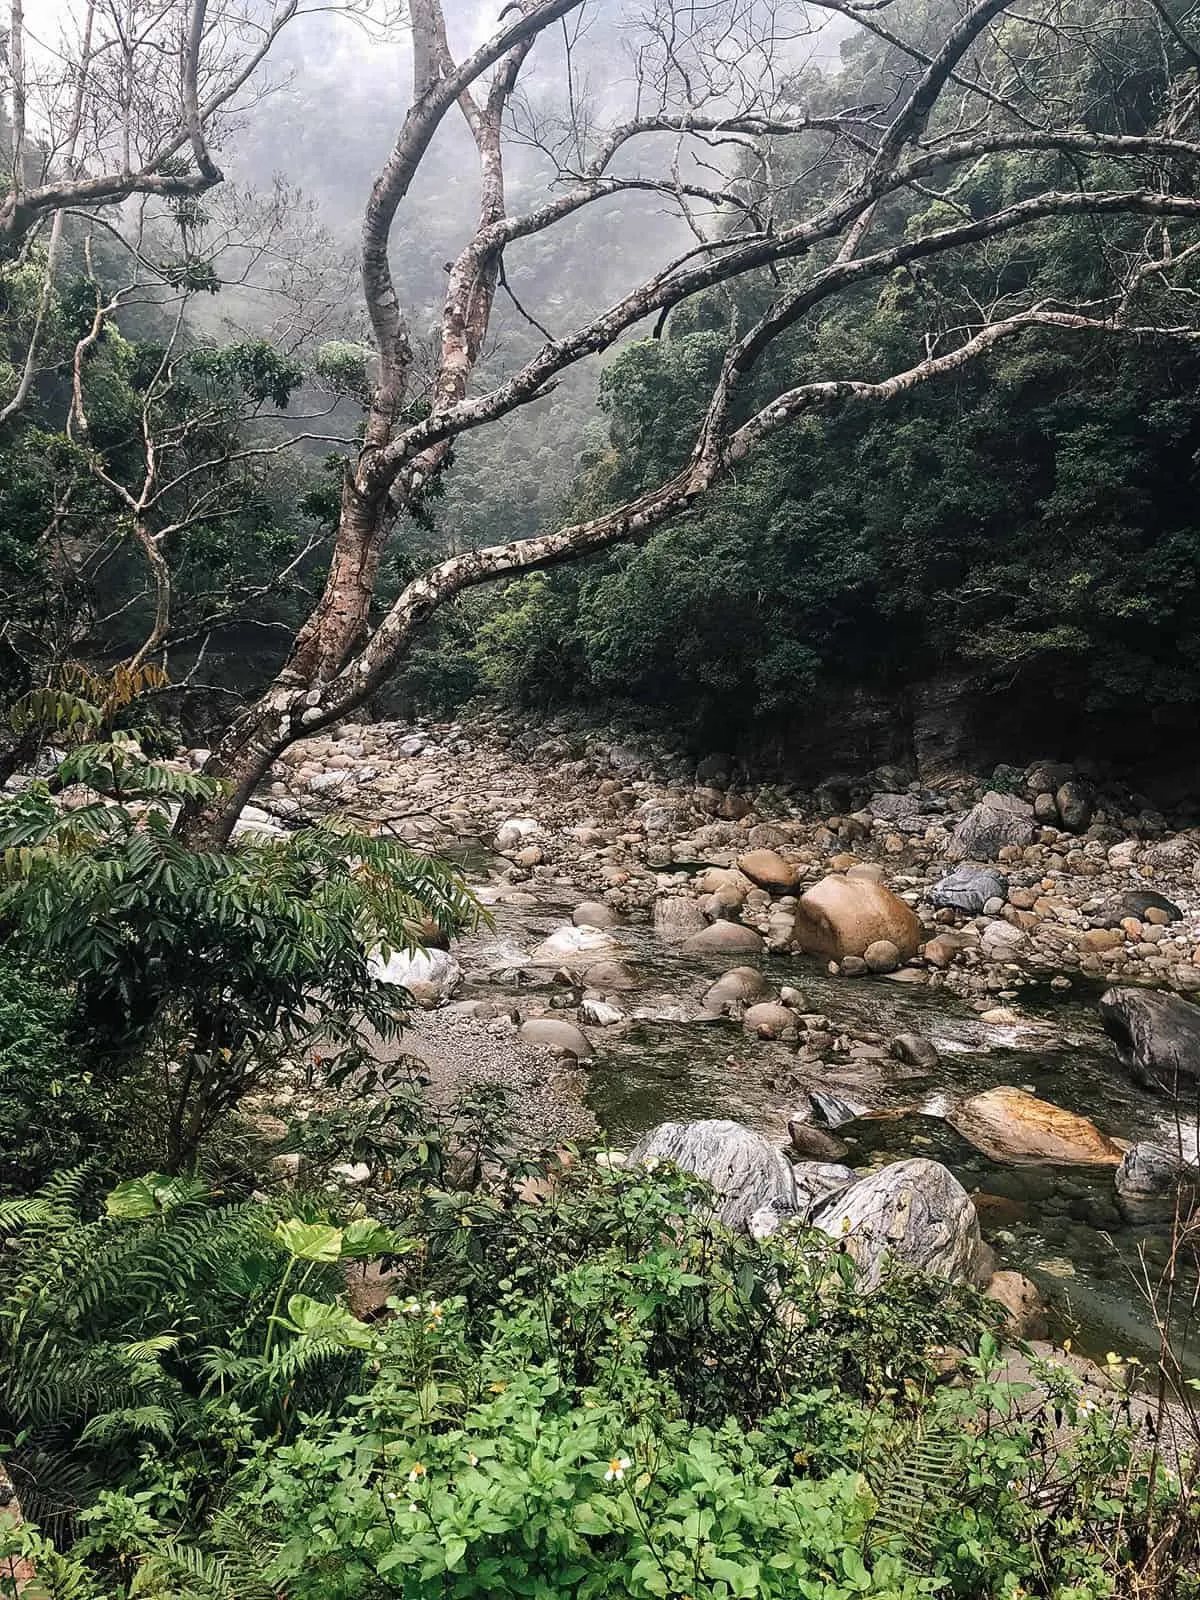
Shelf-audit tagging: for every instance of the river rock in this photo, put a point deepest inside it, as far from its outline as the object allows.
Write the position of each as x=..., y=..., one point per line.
x=594, y=914
x=915, y=1212
x=677, y=917
x=552, y=1033
x=998, y=820
x=1025, y=1310
x=515, y=832
x=430, y=976
x=882, y=956
x=746, y=1171
x=571, y=943
x=739, y=986
x=1149, y=1170
x=968, y=889
x=1076, y=805
x=610, y=977
x=894, y=807
x=915, y=1050
x=1157, y=1037
x=1138, y=902
x=724, y=938
x=813, y=1143
x=768, y=870
x=599, y=1014
x=840, y=917
x=1001, y=941
x=1010, y=1125
x=768, y=1019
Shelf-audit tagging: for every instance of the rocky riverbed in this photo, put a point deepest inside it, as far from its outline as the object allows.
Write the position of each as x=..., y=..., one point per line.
x=866, y=972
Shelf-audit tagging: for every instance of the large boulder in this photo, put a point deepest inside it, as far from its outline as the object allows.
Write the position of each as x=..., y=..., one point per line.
x=1010, y=1125
x=768, y=870
x=552, y=1033
x=515, y=832
x=915, y=1212
x=724, y=938
x=841, y=917
x=1149, y=1170
x=968, y=889
x=738, y=986
x=594, y=914
x=746, y=1171
x=677, y=917
x=572, y=944
x=998, y=820
x=430, y=976
x=768, y=1019
x=1157, y=1037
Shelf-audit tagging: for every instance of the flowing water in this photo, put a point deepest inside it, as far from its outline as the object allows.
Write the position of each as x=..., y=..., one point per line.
x=1060, y=1226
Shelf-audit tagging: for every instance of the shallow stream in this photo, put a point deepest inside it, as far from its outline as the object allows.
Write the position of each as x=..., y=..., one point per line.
x=1061, y=1226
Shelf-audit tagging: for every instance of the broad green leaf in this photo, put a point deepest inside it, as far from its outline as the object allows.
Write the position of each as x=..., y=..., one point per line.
x=310, y=1241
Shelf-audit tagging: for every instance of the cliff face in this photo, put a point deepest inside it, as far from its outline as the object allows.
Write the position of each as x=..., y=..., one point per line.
x=949, y=723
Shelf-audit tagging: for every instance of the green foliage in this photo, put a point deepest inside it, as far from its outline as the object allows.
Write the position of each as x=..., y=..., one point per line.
x=606, y=1395
x=221, y=963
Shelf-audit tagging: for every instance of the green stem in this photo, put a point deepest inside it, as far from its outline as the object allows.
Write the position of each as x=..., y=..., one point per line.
x=271, y=1322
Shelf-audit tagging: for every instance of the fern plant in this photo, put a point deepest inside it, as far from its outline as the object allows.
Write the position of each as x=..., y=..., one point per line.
x=158, y=1324
x=213, y=965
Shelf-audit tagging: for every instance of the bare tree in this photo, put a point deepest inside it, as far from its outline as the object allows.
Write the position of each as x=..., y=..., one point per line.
x=711, y=107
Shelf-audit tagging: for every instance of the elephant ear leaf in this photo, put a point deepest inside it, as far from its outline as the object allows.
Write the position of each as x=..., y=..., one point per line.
x=314, y=1319
x=152, y=1196
x=365, y=1237
x=310, y=1241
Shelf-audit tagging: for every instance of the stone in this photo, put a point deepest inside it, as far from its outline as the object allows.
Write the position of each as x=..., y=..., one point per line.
x=1045, y=809
x=552, y=1033
x=599, y=1014
x=768, y=1019
x=835, y=1109
x=894, y=807
x=817, y=1181
x=1002, y=942
x=998, y=821
x=768, y=870
x=594, y=914
x=882, y=956
x=840, y=917
x=724, y=938
x=746, y=1172
x=1010, y=1125
x=968, y=889
x=724, y=881
x=610, y=977
x=676, y=917
x=511, y=835
x=915, y=1050
x=570, y=943
x=1025, y=1310
x=1149, y=1170
x=1157, y=1037
x=1140, y=903
x=941, y=950
x=814, y=1143
x=430, y=976
x=1076, y=805
x=914, y=1212
x=738, y=986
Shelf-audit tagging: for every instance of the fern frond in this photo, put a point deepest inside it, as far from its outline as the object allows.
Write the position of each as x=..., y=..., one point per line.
x=915, y=1488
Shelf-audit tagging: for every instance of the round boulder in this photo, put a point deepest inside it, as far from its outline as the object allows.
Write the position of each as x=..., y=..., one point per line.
x=768, y=870
x=738, y=986
x=724, y=938
x=841, y=917
x=882, y=956
x=570, y=943
x=915, y=1212
x=594, y=914
x=746, y=1172
x=1025, y=1311
x=768, y=1019
x=563, y=1038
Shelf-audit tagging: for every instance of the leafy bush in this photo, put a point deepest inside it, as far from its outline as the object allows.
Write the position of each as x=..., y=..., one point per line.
x=214, y=965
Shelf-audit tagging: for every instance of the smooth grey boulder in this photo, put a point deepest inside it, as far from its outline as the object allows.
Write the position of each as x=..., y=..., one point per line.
x=915, y=1050
x=747, y=1172
x=915, y=1212
x=998, y=820
x=1157, y=1037
x=968, y=889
